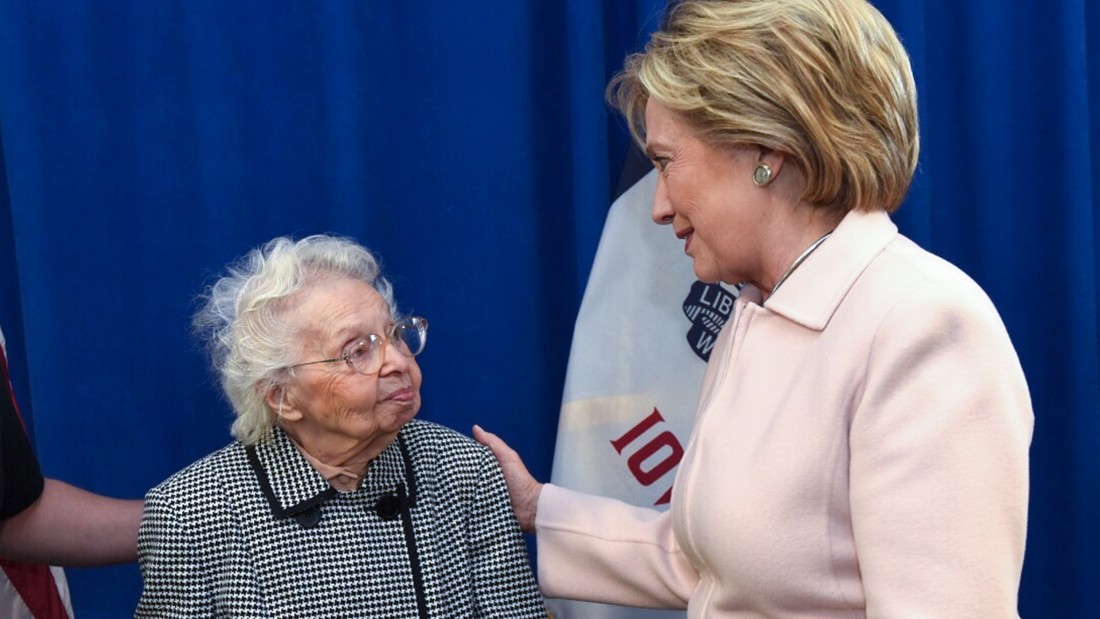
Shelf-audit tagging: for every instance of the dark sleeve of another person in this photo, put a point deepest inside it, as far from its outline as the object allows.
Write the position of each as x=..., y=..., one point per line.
x=20, y=476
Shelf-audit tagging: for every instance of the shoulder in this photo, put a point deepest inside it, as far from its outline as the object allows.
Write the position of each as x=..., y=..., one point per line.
x=440, y=441
x=196, y=504
x=201, y=476
x=919, y=315
x=908, y=284
x=910, y=265
x=449, y=457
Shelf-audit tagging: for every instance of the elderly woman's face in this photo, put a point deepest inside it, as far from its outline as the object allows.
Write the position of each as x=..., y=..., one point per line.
x=332, y=410
x=707, y=195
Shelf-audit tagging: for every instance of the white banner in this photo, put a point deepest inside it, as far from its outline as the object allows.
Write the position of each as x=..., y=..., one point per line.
x=635, y=369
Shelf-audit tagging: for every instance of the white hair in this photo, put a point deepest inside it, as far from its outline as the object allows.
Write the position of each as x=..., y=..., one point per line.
x=245, y=330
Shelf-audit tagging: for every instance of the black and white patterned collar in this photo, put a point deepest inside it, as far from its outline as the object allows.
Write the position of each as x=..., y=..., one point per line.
x=294, y=489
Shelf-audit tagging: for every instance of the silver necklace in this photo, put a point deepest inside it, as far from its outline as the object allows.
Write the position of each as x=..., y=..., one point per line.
x=799, y=260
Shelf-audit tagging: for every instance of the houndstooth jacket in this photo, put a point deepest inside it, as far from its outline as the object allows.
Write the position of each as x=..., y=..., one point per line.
x=257, y=532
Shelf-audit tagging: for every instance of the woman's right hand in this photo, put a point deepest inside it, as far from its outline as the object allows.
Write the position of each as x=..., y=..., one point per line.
x=523, y=488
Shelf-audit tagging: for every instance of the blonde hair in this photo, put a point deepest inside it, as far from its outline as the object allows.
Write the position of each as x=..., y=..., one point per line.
x=243, y=322
x=826, y=82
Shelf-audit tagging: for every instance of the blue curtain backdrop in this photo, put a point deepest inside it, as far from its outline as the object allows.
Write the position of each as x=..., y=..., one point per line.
x=146, y=144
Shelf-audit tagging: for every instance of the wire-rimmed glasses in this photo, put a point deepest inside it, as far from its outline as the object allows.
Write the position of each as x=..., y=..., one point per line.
x=367, y=354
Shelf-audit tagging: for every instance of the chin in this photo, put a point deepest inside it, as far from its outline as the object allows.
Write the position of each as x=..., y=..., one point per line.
x=409, y=413
x=706, y=276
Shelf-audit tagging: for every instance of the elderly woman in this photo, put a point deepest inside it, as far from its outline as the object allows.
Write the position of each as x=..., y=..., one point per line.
x=333, y=501
x=860, y=447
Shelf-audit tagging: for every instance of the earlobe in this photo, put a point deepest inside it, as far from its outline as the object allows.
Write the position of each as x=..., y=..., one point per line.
x=768, y=166
x=276, y=398
x=762, y=174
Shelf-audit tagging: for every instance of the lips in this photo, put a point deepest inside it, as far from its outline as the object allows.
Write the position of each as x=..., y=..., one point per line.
x=404, y=394
x=686, y=235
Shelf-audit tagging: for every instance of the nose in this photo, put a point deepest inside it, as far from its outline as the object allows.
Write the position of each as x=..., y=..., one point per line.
x=662, y=209
x=394, y=360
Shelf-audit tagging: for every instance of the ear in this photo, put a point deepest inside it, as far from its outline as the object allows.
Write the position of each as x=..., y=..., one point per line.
x=279, y=398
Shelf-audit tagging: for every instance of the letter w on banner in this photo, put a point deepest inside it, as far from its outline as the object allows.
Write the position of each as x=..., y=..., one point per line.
x=644, y=332
x=28, y=590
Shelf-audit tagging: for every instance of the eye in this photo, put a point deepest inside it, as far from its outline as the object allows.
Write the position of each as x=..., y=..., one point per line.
x=358, y=351
x=660, y=162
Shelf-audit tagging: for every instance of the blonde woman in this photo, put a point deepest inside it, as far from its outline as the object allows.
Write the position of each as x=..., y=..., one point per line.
x=861, y=443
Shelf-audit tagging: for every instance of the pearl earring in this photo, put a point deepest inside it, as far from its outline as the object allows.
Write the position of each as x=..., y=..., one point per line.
x=762, y=175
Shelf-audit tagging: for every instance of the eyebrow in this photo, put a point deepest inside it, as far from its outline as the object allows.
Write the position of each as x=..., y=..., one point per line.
x=651, y=149
x=347, y=332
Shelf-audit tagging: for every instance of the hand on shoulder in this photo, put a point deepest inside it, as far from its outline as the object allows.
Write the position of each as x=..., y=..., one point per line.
x=523, y=488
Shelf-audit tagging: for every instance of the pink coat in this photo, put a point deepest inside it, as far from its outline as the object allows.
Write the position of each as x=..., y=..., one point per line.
x=860, y=450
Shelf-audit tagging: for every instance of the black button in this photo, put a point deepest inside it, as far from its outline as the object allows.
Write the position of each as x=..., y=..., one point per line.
x=309, y=518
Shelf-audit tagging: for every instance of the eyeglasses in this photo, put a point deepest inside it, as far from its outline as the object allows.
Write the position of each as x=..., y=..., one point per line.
x=366, y=355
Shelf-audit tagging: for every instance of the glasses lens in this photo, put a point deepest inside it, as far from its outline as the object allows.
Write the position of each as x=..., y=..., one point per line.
x=365, y=356
x=410, y=335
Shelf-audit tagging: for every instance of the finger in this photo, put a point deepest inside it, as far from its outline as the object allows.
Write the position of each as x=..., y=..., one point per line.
x=495, y=444
x=482, y=435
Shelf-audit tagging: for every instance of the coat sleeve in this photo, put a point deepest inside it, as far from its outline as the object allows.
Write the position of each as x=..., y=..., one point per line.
x=504, y=584
x=21, y=479
x=939, y=442
x=177, y=585
x=603, y=550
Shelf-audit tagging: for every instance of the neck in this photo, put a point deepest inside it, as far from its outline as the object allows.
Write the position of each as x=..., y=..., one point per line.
x=353, y=457
x=791, y=254
x=798, y=261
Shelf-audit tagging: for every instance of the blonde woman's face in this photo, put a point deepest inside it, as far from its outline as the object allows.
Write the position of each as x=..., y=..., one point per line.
x=706, y=194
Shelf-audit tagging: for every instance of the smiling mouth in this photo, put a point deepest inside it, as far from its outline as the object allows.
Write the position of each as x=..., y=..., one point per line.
x=686, y=236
